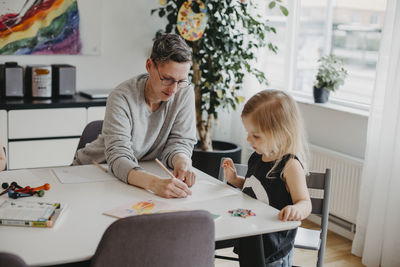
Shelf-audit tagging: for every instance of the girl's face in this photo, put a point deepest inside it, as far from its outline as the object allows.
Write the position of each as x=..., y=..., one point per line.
x=257, y=139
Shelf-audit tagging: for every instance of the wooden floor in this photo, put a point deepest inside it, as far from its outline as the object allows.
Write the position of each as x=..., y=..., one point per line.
x=337, y=253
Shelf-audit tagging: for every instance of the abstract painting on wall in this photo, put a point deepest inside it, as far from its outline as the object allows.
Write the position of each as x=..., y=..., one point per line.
x=43, y=27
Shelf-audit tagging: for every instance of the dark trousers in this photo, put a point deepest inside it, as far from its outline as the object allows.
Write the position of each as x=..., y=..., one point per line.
x=251, y=251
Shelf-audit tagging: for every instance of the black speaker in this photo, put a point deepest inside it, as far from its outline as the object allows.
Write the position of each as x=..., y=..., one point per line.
x=64, y=80
x=11, y=80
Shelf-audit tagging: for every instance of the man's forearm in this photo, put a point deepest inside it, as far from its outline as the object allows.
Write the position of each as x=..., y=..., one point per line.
x=142, y=179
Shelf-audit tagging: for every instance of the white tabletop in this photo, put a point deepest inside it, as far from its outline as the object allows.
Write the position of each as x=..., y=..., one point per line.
x=77, y=233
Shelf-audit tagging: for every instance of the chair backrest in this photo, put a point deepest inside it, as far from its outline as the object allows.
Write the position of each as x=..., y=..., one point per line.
x=11, y=260
x=90, y=133
x=241, y=169
x=184, y=238
x=320, y=206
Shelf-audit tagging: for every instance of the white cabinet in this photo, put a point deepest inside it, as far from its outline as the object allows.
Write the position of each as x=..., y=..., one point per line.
x=40, y=153
x=3, y=128
x=44, y=137
x=38, y=123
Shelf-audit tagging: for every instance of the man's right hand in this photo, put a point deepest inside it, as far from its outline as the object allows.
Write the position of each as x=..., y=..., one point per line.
x=168, y=188
x=171, y=188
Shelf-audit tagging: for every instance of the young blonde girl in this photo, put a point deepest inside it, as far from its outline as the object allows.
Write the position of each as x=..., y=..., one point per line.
x=276, y=170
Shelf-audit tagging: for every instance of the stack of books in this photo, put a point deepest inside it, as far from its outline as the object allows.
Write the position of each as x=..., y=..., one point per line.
x=29, y=213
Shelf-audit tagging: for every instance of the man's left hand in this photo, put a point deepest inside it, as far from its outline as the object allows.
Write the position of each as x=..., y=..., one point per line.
x=183, y=169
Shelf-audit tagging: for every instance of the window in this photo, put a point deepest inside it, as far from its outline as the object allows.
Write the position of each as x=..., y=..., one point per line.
x=349, y=29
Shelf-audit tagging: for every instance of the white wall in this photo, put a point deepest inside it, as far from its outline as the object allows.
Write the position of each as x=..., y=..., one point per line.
x=337, y=130
x=333, y=129
x=126, y=40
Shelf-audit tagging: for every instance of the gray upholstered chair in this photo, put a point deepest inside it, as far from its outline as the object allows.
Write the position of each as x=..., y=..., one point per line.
x=316, y=239
x=184, y=238
x=11, y=260
x=90, y=133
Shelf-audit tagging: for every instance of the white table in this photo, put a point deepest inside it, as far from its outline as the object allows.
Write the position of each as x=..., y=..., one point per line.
x=78, y=231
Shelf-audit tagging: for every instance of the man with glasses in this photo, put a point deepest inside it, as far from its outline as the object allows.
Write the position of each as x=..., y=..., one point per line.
x=151, y=116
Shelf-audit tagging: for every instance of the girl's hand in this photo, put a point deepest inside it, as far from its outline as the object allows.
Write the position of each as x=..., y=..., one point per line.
x=229, y=170
x=290, y=213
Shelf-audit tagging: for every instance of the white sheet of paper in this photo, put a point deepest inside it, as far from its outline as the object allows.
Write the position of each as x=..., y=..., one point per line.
x=203, y=189
x=83, y=174
x=22, y=177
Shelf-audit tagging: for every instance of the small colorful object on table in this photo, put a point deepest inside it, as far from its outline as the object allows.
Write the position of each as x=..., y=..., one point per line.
x=15, y=195
x=11, y=187
x=16, y=191
x=244, y=213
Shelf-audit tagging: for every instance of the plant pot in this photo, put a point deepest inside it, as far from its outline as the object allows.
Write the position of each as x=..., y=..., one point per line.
x=209, y=161
x=321, y=95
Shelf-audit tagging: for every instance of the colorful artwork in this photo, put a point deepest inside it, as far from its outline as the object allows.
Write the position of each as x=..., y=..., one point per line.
x=192, y=20
x=143, y=207
x=40, y=27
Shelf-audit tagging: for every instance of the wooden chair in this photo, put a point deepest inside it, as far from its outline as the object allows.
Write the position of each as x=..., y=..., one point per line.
x=316, y=239
x=184, y=238
x=305, y=238
x=11, y=260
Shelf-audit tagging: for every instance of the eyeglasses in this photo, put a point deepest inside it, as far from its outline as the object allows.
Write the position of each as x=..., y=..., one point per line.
x=168, y=82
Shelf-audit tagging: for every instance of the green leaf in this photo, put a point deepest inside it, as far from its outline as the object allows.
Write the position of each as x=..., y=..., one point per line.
x=272, y=5
x=284, y=10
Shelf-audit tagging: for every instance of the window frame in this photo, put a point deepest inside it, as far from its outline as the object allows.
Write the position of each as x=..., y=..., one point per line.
x=291, y=55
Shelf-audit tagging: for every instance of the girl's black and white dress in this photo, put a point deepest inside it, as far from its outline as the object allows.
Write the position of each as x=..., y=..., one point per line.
x=272, y=190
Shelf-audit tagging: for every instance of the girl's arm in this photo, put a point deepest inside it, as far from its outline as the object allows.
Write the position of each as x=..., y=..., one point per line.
x=231, y=175
x=297, y=187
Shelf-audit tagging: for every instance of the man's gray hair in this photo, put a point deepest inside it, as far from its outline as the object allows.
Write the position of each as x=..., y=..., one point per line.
x=170, y=46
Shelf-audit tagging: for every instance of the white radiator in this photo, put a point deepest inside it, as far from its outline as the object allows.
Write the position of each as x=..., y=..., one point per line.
x=346, y=178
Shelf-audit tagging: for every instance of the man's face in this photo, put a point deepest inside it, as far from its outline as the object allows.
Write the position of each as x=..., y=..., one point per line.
x=167, y=78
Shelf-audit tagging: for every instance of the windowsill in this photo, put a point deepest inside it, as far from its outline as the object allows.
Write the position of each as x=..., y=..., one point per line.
x=332, y=105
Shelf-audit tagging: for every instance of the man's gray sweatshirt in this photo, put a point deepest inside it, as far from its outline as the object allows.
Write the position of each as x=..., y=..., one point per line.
x=132, y=132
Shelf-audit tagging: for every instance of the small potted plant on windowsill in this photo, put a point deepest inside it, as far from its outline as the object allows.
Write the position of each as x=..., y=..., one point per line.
x=330, y=76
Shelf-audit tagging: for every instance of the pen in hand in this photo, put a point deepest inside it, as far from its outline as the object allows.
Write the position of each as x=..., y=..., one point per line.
x=98, y=165
x=165, y=168
x=171, y=175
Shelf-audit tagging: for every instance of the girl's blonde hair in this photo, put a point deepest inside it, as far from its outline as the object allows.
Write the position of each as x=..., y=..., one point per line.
x=277, y=116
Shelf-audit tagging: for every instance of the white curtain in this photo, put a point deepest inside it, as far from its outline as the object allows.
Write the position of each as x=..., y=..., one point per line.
x=377, y=237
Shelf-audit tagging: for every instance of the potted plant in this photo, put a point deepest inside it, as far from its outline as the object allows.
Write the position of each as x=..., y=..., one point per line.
x=330, y=76
x=224, y=36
